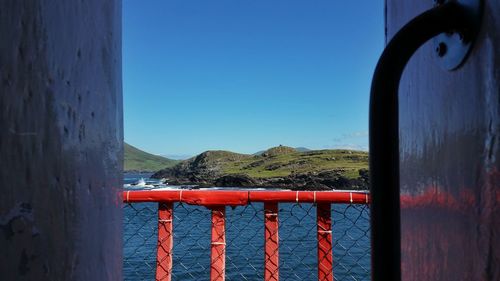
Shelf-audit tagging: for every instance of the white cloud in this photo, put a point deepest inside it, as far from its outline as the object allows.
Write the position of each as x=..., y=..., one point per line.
x=351, y=146
x=355, y=141
x=359, y=134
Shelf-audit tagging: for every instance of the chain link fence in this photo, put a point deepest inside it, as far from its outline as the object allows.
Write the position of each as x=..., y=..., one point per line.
x=245, y=242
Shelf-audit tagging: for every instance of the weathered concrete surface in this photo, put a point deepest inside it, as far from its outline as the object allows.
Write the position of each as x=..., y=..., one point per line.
x=61, y=140
x=450, y=156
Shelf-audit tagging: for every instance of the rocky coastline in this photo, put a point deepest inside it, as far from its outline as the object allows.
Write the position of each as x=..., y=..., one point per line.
x=327, y=180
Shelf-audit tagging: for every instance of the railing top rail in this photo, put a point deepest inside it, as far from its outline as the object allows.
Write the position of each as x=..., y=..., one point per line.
x=243, y=197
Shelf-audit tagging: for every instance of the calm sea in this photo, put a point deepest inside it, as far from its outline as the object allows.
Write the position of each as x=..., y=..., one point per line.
x=245, y=241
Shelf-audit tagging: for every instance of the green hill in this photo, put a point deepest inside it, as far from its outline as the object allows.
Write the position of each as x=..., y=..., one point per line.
x=138, y=160
x=280, y=166
x=283, y=161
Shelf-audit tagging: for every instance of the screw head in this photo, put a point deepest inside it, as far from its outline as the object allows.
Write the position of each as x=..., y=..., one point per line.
x=441, y=49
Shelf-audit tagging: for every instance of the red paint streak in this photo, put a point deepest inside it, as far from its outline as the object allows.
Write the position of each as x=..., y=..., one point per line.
x=433, y=196
x=463, y=201
x=271, y=258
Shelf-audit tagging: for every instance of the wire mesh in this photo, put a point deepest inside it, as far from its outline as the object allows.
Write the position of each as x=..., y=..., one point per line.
x=245, y=242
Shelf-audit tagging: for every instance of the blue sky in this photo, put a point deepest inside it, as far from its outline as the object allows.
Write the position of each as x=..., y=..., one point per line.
x=245, y=75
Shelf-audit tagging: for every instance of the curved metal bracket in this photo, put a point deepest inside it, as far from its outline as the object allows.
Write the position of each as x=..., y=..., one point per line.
x=453, y=47
x=449, y=17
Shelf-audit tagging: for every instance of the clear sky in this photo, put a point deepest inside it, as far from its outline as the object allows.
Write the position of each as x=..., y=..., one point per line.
x=245, y=75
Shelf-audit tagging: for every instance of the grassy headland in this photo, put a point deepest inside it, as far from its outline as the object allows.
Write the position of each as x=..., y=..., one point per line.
x=138, y=160
x=279, y=166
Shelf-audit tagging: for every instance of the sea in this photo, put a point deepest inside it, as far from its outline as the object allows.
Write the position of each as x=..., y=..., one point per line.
x=245, y=241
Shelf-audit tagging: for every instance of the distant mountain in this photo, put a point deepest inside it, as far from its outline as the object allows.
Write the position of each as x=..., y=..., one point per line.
x=280, y=166
x=177, y=156
x=138, y=160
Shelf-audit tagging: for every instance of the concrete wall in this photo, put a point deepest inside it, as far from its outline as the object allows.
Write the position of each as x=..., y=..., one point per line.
x=450, y=156
x=61, y=140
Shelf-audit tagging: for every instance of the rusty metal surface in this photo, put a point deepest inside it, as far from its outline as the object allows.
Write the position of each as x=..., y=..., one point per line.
x=450, y=157
x=61, y=140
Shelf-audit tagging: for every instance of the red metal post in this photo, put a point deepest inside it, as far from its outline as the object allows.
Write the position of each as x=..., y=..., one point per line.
x=325, y=253
x=165, y=242
x=271, y=258
x=218, y=244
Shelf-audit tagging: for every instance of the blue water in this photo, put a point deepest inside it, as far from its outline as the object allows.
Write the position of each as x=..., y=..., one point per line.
x=245, y=242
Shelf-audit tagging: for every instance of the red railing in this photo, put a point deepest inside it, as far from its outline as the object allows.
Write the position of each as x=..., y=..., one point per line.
x=217, y=200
